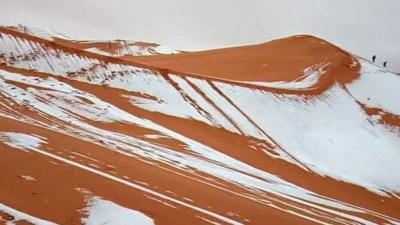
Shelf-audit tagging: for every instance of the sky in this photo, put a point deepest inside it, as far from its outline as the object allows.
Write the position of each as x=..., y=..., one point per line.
x=363, y=27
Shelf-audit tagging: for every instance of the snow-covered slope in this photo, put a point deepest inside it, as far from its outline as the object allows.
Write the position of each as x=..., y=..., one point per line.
x=163, y=146
x=116, y=48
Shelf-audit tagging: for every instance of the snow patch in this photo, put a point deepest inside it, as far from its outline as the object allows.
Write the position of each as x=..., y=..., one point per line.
x=105, y=212
x=377, y=88
x=21, y=141
x=18, y=215
x=307, y=81
x=28, y=178
x=330, y=134
x=47, y=34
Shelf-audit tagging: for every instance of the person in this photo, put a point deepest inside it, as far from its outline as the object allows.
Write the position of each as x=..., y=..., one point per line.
x=373, y=58
x=384, y=64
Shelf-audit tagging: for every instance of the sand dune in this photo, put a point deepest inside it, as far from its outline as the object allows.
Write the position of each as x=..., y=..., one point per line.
x=292, y=131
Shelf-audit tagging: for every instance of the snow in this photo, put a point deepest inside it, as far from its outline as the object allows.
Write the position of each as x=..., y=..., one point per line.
x=377, y=88
x=128, y=47
x=153, y=136
x=308, y=80
x=28, y=178
x=136, y=186
x=206, y=159
x=275, y=185
x=166, y=50
x=42, y=33
x=98, y=51
x=119, y=76
x=146, y=82
x=18, y=215
x=167, y=96
x=21, y=141
x=205, y=108
x=105, y=212
x=135, y=48
x=242, y=122
x=330, y=133
x=27, y=54
x=59, y=99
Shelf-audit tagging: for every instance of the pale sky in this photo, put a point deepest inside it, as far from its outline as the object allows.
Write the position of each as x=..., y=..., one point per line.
x=363, y=27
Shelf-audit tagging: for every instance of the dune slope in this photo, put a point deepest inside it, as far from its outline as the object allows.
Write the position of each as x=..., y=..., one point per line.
x=292, y=131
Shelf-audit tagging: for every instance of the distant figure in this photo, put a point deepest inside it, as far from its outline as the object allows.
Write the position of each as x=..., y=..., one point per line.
x=384, y=64
x=373, y=58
